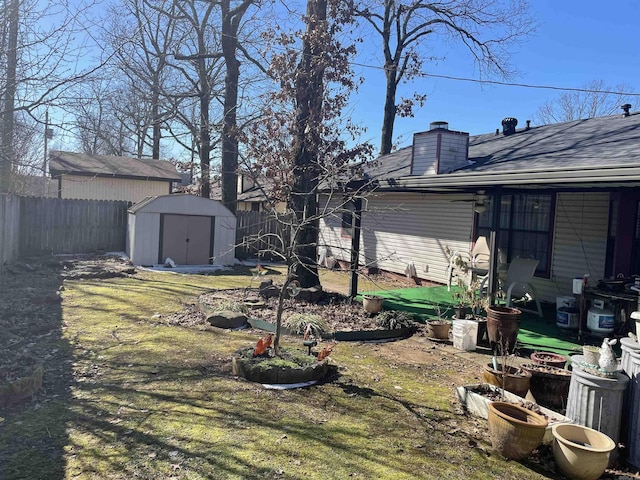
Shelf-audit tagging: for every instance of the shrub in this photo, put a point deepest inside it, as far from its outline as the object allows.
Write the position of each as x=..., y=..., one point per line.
x=298, y=323
x=390, y=320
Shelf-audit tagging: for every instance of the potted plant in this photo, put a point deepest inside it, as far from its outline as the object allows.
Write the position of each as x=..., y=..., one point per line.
x=372, y=303
x=504, y=374
x=508, y=377
x=549, y=385
x=503, y=325
x=438, y=329
x=549, y=358
x=515, y=431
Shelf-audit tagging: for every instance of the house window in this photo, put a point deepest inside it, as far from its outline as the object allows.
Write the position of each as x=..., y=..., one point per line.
x=255, y=206
x=347, y=220
x=525, y=230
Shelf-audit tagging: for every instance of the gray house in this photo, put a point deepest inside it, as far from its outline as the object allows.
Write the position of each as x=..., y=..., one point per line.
x=568, y=196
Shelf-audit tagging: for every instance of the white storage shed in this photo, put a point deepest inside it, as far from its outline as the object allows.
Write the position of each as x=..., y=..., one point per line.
x=188, y=229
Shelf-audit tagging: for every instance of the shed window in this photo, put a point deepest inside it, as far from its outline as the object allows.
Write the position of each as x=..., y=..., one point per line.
x=526, y=228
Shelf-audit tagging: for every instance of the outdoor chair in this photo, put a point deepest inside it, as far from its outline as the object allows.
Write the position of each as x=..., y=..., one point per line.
x=517, y=283
x=475, y=264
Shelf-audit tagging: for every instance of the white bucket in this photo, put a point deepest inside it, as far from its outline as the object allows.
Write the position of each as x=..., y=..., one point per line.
x=465, y=334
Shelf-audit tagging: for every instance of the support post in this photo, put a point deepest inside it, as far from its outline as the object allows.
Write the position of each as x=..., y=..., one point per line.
x=496, y=201
x=355, y=246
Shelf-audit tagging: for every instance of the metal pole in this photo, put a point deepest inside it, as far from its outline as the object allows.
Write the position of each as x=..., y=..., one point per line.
x=496, y=201
x=46, y=138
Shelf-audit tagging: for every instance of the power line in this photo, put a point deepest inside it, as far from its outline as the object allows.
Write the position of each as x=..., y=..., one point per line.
x=507, y=84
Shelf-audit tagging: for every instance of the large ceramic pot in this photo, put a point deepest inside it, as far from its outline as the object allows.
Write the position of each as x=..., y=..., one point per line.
x=549, y=385
x=372, y=303
x=549, y=358
x=581, y=453
x=514, y=430
x=438, y=329
x=515, y=381
x=503, y=324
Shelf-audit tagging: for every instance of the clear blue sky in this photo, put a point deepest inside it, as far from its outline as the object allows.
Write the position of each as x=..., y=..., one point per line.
x=575, y=42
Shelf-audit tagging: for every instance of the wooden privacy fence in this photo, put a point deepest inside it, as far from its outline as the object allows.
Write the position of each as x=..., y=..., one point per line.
x=9, y=229
x=259, y=234
x=60, y=225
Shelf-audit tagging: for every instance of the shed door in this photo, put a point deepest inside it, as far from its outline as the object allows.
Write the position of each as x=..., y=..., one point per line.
x=186, y=239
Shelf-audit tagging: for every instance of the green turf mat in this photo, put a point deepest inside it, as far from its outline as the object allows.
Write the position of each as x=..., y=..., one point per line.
x=535, y=334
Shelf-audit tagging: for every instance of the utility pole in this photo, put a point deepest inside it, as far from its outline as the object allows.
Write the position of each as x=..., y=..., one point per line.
x=48, y=135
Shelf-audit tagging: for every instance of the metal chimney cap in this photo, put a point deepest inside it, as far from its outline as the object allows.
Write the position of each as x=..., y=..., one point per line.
x=509, y=125
x=626, y=107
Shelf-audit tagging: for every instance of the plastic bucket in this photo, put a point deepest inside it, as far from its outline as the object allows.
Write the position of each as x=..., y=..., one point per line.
x=465, y=335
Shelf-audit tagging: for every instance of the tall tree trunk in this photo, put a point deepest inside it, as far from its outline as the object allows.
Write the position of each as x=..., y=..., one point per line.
x=6, y=141
x=389, y=111
x=155, y=118
x=205, y=135
x=230, y=23
x=309, y=95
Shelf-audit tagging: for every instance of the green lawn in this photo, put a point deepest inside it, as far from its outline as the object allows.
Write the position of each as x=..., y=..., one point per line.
x=127, y=396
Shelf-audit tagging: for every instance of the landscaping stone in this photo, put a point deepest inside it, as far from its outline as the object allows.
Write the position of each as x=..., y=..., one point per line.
x=227, y=319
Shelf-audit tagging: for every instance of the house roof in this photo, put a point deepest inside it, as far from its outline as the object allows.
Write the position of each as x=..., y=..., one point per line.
x=69, y=163
x=592, y=152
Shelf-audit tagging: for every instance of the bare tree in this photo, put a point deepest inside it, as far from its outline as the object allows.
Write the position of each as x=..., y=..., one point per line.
x=199, y=60
x=487, y=28
x=595, y=100
x=41, y=44
x=231, y=22
x=302, y=144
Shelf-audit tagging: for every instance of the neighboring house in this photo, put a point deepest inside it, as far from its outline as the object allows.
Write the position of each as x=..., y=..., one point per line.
x=569, y=195
x=106, y=177
x=252, y=198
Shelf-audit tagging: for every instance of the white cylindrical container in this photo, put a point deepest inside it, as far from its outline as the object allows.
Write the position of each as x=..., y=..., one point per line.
x=633, y=409
x=565, y=302
x=597, y=402
x=600, y=319
x=465, y=334
x=628, y=347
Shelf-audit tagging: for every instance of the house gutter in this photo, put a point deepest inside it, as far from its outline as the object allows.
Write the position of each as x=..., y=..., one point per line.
x=532, y=177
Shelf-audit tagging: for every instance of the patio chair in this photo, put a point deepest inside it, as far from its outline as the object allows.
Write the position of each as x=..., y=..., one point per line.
x=518, y=283
x=476, y=261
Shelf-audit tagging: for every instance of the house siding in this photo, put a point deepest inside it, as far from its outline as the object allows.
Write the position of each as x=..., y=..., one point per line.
x=400, y=229
x=579, y=244
x=109, y=188
x=425, y=147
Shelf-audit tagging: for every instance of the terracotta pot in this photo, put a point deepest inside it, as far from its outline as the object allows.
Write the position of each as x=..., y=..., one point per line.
x=516, y=381
x=581, y=453
x=549, y=358
x=514, y=430
x=372, y=303
x=438, y=329
x=503, y=324
x=549, y=385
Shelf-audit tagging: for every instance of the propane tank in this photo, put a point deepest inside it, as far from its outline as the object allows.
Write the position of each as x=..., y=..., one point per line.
x=600, y=319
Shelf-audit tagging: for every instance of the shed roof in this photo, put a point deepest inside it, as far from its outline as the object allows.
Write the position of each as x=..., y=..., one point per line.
x=592, y=152
x=181, y=204
x=70, y=163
